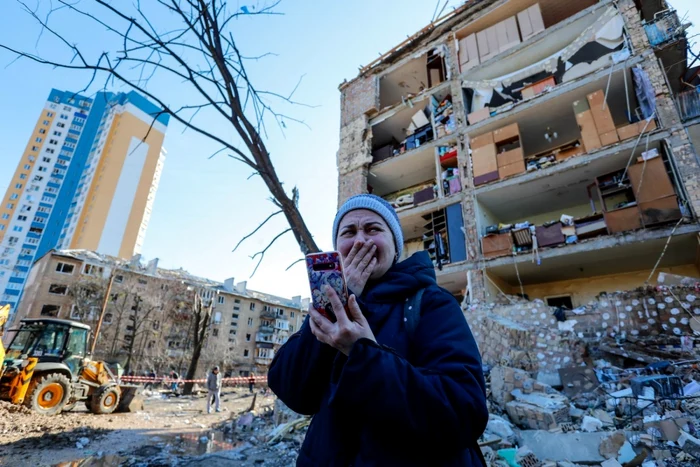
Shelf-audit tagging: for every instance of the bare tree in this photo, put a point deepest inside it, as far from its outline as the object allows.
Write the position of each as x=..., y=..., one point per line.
x=86, y=298
x=201, y=320
x=197, y=50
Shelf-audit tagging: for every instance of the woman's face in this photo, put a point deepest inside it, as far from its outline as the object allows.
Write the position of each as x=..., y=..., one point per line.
x=360, y=226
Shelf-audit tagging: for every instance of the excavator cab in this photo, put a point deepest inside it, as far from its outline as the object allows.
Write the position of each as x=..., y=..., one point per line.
x=47, y=368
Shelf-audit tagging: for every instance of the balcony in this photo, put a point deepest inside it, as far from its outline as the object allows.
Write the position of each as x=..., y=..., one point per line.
x=576, y=124
x=260, y=338
x=419, y=168
x=664, y=28
x=412, y=77
x=580, y=202
x=263, y=360
x=689, y=104
x=622, y=262
x=546, y=62
x=518, y=26
x=266, y=329
x=268, y=314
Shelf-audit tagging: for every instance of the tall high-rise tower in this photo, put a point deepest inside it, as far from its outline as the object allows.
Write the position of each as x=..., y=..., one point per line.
x=87, y=179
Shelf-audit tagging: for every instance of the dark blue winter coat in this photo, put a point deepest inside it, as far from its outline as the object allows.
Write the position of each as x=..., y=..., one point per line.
x=391, y=403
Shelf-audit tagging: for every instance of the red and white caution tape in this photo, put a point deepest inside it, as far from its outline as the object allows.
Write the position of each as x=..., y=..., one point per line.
x=168, y=380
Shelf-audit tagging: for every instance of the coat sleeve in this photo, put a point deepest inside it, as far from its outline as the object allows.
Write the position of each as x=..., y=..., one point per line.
x=300, y=372
x=440, y=399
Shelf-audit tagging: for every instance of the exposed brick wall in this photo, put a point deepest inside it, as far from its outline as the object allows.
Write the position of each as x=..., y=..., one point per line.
x=358, y=97
x=352, y=183
x=687, y=162
x=526, y=335
x=354, y=157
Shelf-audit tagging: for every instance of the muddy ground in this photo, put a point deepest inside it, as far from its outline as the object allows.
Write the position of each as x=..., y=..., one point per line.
x=169, y=431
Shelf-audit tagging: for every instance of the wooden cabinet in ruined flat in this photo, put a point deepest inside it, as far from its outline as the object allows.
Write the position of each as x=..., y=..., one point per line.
x=654, y=192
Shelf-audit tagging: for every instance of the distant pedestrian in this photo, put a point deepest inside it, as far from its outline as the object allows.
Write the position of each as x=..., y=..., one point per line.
x=175, y=377
x=214, y=387
x=251, y=382
x=151, y=380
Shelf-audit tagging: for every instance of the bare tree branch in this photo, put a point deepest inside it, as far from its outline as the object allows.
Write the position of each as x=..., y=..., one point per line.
x=256, y=229
x=262, y=252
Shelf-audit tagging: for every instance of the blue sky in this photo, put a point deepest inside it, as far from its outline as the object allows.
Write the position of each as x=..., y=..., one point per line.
x=204, y=206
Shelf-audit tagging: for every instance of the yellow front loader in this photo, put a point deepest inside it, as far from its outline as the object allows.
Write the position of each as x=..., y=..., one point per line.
x=47, y=368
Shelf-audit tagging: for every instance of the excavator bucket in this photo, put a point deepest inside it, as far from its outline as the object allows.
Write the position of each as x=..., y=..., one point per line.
x=130, y=400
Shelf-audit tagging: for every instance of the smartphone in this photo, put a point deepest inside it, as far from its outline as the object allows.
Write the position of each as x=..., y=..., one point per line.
x=326, y=269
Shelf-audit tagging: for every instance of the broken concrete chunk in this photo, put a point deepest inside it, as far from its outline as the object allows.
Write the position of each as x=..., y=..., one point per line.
x=611, y=463
x=571, y=447
x=531, y=416
x=545, y=401
x=549, y=378
x=603, y=416
x=500, y=427
x=591, y=424
x=690, y=444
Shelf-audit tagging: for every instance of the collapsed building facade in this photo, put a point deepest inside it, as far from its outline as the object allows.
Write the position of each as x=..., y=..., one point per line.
x=543, y=153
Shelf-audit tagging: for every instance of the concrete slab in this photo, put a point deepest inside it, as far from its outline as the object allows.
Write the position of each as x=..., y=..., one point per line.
x=572, y=447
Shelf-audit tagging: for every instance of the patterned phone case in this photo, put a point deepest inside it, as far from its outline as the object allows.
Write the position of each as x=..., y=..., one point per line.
x=326, y=269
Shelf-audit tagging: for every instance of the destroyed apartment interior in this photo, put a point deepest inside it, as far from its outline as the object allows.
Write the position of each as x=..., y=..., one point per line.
x=545, y=155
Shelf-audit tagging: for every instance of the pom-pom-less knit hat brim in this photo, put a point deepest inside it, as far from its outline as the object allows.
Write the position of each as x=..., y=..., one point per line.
x=375, y=204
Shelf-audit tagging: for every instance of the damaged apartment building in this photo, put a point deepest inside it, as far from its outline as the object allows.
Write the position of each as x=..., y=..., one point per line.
x=543, y=153
x=149, y=313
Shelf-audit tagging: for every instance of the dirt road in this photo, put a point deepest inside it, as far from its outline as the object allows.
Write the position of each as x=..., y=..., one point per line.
x=169, y=431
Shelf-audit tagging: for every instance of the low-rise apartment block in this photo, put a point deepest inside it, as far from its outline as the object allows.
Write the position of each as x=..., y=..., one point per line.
x=148, y=317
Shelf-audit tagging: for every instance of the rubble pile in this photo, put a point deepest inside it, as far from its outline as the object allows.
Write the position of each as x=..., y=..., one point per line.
x=640, y=416
x=613, y=383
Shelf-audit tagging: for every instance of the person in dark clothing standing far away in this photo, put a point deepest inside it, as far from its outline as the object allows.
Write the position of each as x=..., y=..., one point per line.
x=384, y=394
x=251, y=382
x=214, y=388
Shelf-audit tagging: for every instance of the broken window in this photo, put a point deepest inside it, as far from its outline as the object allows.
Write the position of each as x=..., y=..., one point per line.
x=247, y=337
x=92, y=270
x=215, y=332
x=58, y=289
x=50, y=310
x=64, y=268
x=246, y=352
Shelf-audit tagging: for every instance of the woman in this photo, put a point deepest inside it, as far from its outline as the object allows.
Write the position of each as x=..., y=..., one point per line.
x=381, y=397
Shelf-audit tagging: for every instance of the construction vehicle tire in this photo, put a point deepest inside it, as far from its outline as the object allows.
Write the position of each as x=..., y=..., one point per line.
x=48, y=394
x=105, y=400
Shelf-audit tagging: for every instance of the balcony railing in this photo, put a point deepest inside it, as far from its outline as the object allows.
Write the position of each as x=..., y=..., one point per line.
x=689, y=103
x=263, y=360
x=665, y=27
